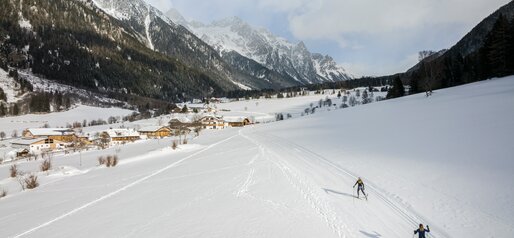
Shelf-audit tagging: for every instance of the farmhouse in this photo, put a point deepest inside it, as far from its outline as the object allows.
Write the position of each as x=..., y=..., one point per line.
x=61, y=134
x=119, y=136
x=212, y=122
x=237, y=121
x=37, y=145
x=176, y=123
x=155, y=131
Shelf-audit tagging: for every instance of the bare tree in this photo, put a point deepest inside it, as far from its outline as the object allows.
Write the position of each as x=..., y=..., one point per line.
x=13, y=171
x=198, y=129
x=79, y=144
x=31, y=182
x=112, y=120
x=14, y=134
x=352, y=101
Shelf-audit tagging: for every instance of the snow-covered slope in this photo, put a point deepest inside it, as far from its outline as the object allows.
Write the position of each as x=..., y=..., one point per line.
x=9, y=87
x=60, y=119
x=276, y=53
x=445, y=161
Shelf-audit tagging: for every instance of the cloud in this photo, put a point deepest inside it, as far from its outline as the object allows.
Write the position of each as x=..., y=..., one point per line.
x=334, y=19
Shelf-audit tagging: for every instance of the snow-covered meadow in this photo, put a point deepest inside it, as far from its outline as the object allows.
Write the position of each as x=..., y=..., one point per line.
x=445, y=161
x=59, y=119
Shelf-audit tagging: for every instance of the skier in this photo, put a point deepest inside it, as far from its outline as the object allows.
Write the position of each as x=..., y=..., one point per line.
x=422, y=231
x=360, y=187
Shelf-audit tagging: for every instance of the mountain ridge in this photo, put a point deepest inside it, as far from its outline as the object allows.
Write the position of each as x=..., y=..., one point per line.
x=260, y=45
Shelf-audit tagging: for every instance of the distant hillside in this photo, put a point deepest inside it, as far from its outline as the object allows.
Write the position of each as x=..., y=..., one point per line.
x=76, y=43
x=486, y=51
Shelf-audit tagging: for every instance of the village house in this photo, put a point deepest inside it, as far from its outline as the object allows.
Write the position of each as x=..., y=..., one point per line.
x=176, y=110
x=212, y=122
x=237, y=121
x=176, y=123
x=60, y=134
x=119, y=136
x=155, y=131
x=36, y=145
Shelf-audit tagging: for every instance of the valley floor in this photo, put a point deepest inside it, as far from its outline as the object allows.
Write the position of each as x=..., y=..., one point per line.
x=445, y=161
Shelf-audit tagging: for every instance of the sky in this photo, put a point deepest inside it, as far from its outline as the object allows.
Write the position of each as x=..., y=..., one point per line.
x=367, y=37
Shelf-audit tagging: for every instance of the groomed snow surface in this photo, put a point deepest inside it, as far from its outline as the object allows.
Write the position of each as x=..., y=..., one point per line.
x=446, y=161
x=59, y=119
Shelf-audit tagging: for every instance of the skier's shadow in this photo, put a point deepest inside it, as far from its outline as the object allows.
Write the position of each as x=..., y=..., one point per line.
x=337, y=192
x=376, y=235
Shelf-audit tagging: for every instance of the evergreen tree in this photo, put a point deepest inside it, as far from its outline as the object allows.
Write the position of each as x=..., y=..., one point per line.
x=397, y=90
x=414, y=86
x=496, y=45
x=365, y=97
x=15, y=110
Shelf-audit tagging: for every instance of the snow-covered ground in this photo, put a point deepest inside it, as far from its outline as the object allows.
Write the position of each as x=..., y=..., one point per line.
x=445, y=161
x=263, y=109
x=59, y=119
x=8, y=85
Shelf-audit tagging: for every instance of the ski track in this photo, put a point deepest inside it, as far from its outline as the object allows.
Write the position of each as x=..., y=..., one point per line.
x=249, y=181
x=300, y=183
x=307, y=192
x=404, y=212
x=65, y=215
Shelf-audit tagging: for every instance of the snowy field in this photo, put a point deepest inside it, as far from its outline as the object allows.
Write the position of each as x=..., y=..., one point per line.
x=59, y=119
x=445, y=161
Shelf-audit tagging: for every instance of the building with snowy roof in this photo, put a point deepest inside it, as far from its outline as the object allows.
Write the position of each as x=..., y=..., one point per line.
x=119, y=136
x=37, y=145
x=237, y=121
x=60, y=134
x=155, y=131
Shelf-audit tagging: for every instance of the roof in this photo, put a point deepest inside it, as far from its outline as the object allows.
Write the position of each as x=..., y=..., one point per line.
x=235, y=119
x=210, y=117
x=181, y=120
x=151, y=128
x=27, y=141
x=115, y=133
x=50, y=131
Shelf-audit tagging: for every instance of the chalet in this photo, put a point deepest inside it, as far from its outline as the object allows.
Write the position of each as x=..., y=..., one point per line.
x=213, y=122
x=60, y=134
x=237, y=121
x=37, y=145
x=176, y=123
x=155, y=131
x=119, y=136
x=176, y=110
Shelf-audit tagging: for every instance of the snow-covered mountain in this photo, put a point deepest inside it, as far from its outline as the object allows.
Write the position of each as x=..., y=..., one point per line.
x=161, y=34
x=260, y=45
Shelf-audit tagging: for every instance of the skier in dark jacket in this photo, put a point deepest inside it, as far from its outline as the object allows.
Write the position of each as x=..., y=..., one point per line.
x=360, y=187
x=422, y=231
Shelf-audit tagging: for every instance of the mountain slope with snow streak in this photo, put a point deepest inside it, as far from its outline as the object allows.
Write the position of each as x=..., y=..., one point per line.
x=444, y=161
x=293, y=61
